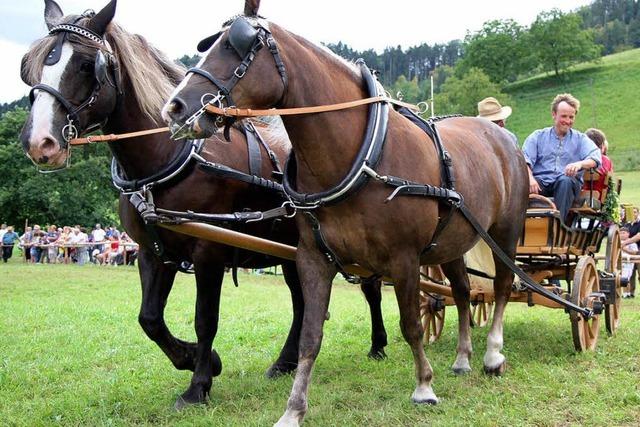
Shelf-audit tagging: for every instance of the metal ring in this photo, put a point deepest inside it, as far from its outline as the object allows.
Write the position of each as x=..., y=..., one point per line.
x=423, y=107
x=290, y=204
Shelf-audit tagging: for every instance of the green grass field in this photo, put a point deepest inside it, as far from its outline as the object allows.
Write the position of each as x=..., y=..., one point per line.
x=72, y=353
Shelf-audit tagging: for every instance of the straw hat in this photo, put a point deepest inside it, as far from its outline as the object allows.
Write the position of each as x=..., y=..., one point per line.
x=490, y=109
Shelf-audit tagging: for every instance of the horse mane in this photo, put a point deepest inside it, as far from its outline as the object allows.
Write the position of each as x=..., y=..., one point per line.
x=272, y=131
x=152, y=75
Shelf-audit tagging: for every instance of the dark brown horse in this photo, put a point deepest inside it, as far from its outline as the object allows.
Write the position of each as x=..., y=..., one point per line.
x=127, y=81
x=282, y=70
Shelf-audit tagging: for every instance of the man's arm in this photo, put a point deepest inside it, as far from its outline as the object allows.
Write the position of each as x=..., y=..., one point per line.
x=634, y=239
x=572, y=169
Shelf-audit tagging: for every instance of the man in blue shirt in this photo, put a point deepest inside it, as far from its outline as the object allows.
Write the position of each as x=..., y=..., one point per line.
x=558, y=155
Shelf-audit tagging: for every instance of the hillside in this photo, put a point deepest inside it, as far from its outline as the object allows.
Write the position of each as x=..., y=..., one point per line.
x=608, y=91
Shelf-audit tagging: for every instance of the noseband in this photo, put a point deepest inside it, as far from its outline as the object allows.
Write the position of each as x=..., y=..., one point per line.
x=246, y=38
x=104, y=59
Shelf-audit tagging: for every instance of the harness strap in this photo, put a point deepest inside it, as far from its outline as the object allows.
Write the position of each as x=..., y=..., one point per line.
x=526, y=280
x=253, y=149
x=223, y=171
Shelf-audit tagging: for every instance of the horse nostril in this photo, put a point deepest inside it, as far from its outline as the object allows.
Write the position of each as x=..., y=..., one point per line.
x=48, y=146
x=176, y=109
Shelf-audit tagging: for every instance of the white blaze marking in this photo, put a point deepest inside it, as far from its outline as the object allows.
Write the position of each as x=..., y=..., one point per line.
x=42, y=111
x=185, y=81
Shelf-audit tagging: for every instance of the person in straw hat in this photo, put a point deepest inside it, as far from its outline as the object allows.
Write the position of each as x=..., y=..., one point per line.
x=490, y=109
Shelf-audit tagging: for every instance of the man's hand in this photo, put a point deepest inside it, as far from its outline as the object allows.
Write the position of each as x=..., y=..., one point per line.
x=572, y=169
x=534, y=187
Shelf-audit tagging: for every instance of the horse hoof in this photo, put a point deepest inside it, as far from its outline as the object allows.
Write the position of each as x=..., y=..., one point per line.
x=496, y=371
x=424, y=395
x=430, y=401
x=190, y=398
x=378, y=354
x=216, y=364
x=279, y=369
x=461, y=371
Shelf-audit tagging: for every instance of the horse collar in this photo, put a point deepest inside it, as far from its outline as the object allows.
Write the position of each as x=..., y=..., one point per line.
x=366, y=160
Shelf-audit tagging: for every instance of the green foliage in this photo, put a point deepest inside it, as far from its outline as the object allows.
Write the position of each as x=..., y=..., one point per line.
x=461, y=95
x=408, y=89
x=611, y=206
x=557, y=41
x=499, y=49
x=189, y=61
x=73, y=354
x=81, y=194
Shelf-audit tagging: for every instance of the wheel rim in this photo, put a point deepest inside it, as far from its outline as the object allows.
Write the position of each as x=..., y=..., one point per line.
x=613, y=265
x=585, y=282
x=481, y=313
x=432, y=320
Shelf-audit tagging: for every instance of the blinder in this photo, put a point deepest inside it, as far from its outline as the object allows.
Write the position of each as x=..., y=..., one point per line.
x=100, y=68
x=242, y=36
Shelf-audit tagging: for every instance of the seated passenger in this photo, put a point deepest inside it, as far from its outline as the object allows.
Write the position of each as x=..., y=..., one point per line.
x=556, y=156
x=598, y=138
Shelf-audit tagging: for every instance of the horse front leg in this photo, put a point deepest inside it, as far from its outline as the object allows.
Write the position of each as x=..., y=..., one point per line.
x=157, y=280
x=288, y=359
x=457, y=274
x=207, y=362
x=406, y=274
x=316, y=275
x=373, y=294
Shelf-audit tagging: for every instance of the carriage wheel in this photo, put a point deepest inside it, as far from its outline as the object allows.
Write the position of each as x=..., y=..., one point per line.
x=585, y=282
x=613, y=265
x=481, y=313
x=432, y=319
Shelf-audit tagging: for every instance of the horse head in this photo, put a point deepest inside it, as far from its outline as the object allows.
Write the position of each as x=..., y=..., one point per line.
x=241, y=67
x=75, y=83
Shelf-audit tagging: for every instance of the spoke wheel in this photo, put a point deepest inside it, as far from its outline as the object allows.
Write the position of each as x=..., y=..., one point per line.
x=585, y=282
x=431, y=318
x=613, y=265
x=481, y=313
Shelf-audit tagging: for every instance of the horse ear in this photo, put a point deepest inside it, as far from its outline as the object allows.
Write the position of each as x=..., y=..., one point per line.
x=52, y=13
x=251, y=7
x=98, y=23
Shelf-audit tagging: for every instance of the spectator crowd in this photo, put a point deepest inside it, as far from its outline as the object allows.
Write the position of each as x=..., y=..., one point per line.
x=67, y=244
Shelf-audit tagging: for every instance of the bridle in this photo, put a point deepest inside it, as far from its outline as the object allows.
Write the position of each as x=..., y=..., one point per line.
x=104, y=60
x=247, y=35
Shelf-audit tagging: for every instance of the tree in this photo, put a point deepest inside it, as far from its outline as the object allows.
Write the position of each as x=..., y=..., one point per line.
x=82, y=194
x=460, y=95
x=498, y=49
x=408, y=88
x=557, y=41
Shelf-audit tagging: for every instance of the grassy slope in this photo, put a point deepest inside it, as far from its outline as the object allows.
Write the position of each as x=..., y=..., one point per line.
x=72, y=353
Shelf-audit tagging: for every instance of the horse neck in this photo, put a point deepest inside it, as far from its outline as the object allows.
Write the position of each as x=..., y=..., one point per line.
x=326, y=144
x=141, y=156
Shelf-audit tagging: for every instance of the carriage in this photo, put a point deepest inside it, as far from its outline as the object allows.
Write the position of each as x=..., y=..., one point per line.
x=549, y=251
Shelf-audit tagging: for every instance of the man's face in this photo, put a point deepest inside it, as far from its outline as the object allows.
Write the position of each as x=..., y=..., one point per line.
x=563, y=118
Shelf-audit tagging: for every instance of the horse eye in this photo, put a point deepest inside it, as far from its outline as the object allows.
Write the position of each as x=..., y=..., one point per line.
x=86, y=67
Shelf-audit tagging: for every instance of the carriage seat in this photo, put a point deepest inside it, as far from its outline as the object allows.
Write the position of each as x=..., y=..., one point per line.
x=544, y=231
x=590, y=201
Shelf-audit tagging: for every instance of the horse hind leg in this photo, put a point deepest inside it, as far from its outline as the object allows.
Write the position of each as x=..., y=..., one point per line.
x=371, y=288
x=494, y=361
x=457, y=274
x=207, y=363
x=407, y=276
